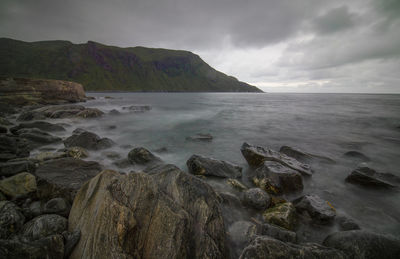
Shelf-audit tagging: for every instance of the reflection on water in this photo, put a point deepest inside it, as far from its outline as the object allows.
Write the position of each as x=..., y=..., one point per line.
x=324, y=124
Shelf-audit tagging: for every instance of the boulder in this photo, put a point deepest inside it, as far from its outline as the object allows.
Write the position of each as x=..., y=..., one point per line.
x=275, y=178
x=36, y=208
x=359, y=244
x=169, y=214
x=368, y=177
x=319, y=210
x=88, y=140
x=18, y=185
x=37, y=138
x=12, y=147
x=57, y=206
x=278, y=233
x=256, y=198
x=12, y=168
x=11, y=219
x=44, y=226
x=48, y=247
x=90, y=113
x=42, y=125
x=142, y=156
x=267, y=247
x=76, y=152
x=200, y=137
x=60, y=112
x=346, y=224
x=62, y=178
x=241, y=233
x=114, y=112
x=70, y=240
x=355, y=155
x=44, y=156
x=122, y=163
x=256, y=156
x=304, y=157
x=283, y=215
x=200, y=165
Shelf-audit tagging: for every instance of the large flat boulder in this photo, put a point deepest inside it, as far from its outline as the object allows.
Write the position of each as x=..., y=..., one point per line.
x=164, y=214
x=368, y=177
x=200, y=165
x=88, y=140
x=60, y=112
x=42, y=125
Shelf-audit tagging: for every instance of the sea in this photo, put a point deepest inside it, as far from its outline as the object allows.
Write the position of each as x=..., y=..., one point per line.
x=323, y=124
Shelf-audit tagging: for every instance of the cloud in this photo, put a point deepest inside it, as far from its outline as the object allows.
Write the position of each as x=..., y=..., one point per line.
x=334, y=20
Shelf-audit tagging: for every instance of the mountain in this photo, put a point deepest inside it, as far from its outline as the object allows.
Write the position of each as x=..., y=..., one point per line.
x=107, y=68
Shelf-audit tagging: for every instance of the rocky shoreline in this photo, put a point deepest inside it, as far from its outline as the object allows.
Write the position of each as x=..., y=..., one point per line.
x=57, y=204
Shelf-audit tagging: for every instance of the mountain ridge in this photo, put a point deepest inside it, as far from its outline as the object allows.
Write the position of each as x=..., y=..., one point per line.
x=100, y=67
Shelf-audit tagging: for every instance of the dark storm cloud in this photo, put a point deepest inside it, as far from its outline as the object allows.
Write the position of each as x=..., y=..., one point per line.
x=334, y=20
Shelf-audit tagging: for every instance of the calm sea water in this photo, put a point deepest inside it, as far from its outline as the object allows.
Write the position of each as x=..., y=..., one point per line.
x=323, y=124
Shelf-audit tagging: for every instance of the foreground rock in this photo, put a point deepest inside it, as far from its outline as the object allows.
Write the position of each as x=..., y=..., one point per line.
x=275, y=178
x=241, y=234
x=23, y=91
x=42, y=125
x=360, y=244
x=256, y=156
x=12, y=147
x=44, y=226
x=256, y=198
x=142, y=156
x=60, y=112
x=18, y=185
x=303, y=156
x=267, y=247
x=12, y=168
x=368, y=177
x=283, y=215
x=200, y=165
x=63, y=177
x=169, y=214
x=37, y=138
x=319, y=210
x=11, y=219
x=88, y=140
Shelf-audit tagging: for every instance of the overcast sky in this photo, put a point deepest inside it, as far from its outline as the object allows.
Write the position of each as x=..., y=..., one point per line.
x=277, y=45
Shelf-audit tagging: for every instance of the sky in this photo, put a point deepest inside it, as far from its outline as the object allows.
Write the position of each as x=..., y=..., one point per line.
x=277, y=45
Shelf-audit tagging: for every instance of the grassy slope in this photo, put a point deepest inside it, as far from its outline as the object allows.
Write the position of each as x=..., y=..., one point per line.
x=101, y=67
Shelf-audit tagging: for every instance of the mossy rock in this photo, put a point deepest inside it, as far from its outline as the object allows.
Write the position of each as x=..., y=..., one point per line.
x=17, y=185
x=283, y=215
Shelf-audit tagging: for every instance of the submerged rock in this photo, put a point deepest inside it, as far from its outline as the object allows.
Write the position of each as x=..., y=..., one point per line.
x=275, y=178
x=12, y=168
x=319, y=210
x=200, y=165
x=90, y=113
x=256, y=156
x=44, y=226
x=42, y=125
x=87, y=140
x=169, y=214
x=267, y=247
x=200, y=137
x=63, y=177
x=346, y=224
x=142, y=156
x=137, y=108
x=283, y=215
x=361, y=244
x=11, y=219
x=304, y=157
x=279, y=233
x=12, y=147
x=357, y=155
x=256, y=198
x=18, y=185
x=368, y=177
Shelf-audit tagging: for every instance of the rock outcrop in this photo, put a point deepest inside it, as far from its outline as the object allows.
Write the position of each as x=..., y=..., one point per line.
x=163, y=214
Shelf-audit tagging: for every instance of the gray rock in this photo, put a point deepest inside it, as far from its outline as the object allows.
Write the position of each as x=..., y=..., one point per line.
x=359, y=244
x=256, y=198
x=57, y=206
x=42, y=125
x=346, y=224
x=12, y=147
x=200, y=137
x=18, y=185
x=304, y=157
x=44, y=226
x=241, y=233
x=62, y=178
x=37, y=138
x=12, y=168
x=256, y=156
x=278, y=233
x=368, y=177
x=88, y=140
x=200, y=165
x=356, y=156
x=267, y=247
x=142, y=156
x=122, y=163
x=283, y=215
x=36, y=208
x=275, y=178
x=137, y=108
x=90, y=113
x=71, y=239
x=320, y=211
x=51, y=247
x=11, y=219
x=114, y=112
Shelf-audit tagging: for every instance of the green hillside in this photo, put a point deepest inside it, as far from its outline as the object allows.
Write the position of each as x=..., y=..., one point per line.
x=99, y=67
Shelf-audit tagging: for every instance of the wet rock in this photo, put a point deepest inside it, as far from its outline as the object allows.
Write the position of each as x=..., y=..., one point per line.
x=2, y=197
x=12, y=147
x=61, y=178
x=44, y=226
x=111, y=155
x=90, y=113
x=304, y=157
x=122, y=163
x=241, y=234
x=37, y=137
x=256, y=156
x=361, y=244
x=44, y=156
x=200, y=165
x=283, y=215
x=18, y=185
x=357, y=156
x=346, y=224
x=57, y=206
x=256, y=198
x=36, y=208
x=174, y=215
x=11, y=219
x=368, y=177
x=200, y=137
x=235, y=183
x=12, y=168
x=137, y=108
x=48, y=247
x=278, y=233
x=267, y=247
x=275, y=178
x=5, y=122
x=76, y=152
x=88, y=140
x=114, y=112
x=142, y=156
x=320, y=211
x=41, y=125
x=71, y=239
x=60, y=112
x=3, y=130
x=161, y=150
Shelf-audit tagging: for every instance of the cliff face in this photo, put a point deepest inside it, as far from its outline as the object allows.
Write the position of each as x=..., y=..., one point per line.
x=22, y=91
x=101, y=67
